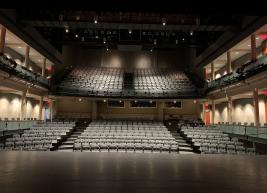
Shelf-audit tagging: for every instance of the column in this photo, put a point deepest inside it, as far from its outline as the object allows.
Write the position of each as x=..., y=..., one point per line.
x=41, y=107
x=212, y=71
x=27, y=54
x=229, y=110
x=265, y=101
x=94, y=110
x=23, y=105
x=256, y=107
x=160, y=111
x=43, y=67
x=263, y=47
x=253, y=47
x=204, y=113
x=51, y=110
x=212, y=112
x=2, y=38
x=229, y=63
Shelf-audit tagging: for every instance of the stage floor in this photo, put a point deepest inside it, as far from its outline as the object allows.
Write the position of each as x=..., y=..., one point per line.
x=76, y=172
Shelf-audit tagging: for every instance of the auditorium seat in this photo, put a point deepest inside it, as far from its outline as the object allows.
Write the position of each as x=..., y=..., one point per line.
x=126, y=136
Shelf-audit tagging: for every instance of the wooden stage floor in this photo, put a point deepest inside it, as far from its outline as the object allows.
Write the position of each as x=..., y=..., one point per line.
x=77, y=172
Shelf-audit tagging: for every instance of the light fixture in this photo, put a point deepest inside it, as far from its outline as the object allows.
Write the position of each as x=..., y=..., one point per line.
x=163, y=21
x=130, y=31
x=151, y=101
x=107, y=49
x=155, y=41
x=19, y=47
x=236, y=52
x=96, y=20
x=80, y=99
x=120, y=101
x=194, y=101
x=183, y=39
x=76, y=35
x=191, y=33
x=135, y=101
x=151, y=50
x=66, y=29
x=174, y=102
x=176, y=42
x=105, y=100
x=104, y=40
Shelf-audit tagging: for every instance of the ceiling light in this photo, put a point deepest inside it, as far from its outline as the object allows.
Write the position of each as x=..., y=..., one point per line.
x=80, y=99
x=96, y=20
x=151, y=50
x=120, y=101
x=67, y=30
x=76, y=35
x=19, y=47
x=151, y=101
x=105, y=100
x=155, y=41
x=135, y=101
x=191, y=33
x=176, y=42
x=174, y=102
x=104, y=40
x=183, y=39
x=107, y=49
x=236, y=52
x=130, y=31
x=163, y=21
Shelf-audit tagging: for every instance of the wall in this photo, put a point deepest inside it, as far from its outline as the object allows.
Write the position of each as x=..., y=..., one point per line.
x=10, y=105
x=243, y=111
x=76, y=108
x=179, y=58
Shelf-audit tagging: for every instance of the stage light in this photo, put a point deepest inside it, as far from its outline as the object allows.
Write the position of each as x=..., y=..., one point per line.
x=105, y=100
x=67, y=29
x=163, y=21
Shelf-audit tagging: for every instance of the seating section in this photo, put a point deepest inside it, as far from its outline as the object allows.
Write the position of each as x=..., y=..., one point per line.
x=126, y=136
x=109, y=82
x=156, y=82
x=97, y=81
x=213, y=141
x=42, y=137
x=10, y=66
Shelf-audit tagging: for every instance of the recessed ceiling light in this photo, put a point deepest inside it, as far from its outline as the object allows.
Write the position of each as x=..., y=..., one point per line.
x=130, y=31
x=80, y=99
x=248, y=45
x=76, y=35
x=19, y=47
x=39, y=60
x=191, y=33
x=236, y=52
x=257, y=38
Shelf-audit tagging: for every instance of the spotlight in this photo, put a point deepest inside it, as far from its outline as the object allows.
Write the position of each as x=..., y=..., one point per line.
x=107, y=49
x=95, y=20
x=104, y=40
x=191, y=33
x=163, y=21
x=67, y=29
x=105, y=100
x=183, y=39
x=76, y=35
x=130, y=31
x=151, y=50
x=120, y=101
x=80, y=99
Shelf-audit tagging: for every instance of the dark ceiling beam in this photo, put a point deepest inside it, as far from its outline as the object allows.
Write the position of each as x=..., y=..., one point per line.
x=75, y=25
x=229, y=39
x=31, y=36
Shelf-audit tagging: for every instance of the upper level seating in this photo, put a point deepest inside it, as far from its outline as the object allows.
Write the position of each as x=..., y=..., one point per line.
x=126, y=136
x=109, y=82
x=213, y=140
x=42, y=136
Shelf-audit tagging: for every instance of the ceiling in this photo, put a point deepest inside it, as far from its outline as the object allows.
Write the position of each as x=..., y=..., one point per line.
x=19, y=46
x=150, y=29
x=240, y=49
